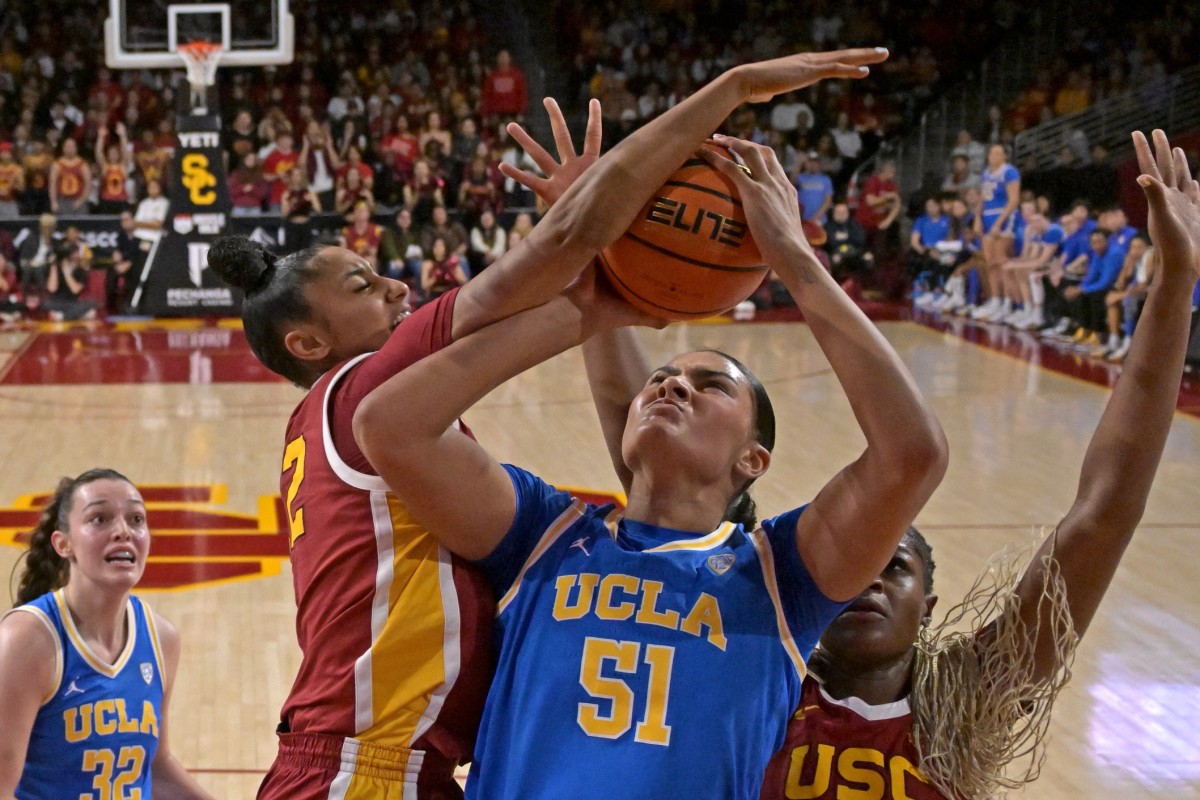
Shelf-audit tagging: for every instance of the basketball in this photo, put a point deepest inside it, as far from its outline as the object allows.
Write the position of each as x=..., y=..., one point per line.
x=689, y=253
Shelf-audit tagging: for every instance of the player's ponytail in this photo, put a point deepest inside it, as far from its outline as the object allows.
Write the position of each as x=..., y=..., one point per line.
x=742, y=510
x=45, y=570
x=274, y=299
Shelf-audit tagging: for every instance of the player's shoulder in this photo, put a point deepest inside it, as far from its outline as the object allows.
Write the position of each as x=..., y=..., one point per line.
x=26, y=635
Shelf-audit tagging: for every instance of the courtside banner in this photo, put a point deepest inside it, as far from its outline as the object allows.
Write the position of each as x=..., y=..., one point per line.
x=176, y=280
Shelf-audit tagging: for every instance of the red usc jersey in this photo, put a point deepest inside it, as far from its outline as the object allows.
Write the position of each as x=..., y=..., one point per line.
x=71, y=184
x=112, y=184
x=394, y=631
x=365, y=242
x=846, y=748
x=10, y=175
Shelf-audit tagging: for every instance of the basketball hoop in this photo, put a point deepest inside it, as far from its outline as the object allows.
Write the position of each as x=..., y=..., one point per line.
x=201, y=59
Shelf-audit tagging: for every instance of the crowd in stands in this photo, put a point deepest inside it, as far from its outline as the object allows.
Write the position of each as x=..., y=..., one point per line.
x=392, y=123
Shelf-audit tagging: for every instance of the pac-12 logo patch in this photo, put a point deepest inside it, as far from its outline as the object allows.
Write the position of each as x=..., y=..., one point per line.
x=147, y=672
x=721, y=563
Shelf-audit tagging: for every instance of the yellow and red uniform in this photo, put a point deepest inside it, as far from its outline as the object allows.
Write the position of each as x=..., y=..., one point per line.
x=364, y=242
x=113, y=187
x=395, y=631
x=71, y=180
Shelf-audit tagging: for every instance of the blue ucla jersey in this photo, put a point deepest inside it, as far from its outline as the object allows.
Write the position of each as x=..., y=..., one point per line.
x=994, y=187
x=96, y=735
x=637, y=661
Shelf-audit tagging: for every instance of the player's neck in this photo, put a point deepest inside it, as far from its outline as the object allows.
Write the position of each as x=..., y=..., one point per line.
x=876, y=683
x=99, y=616
x=672, y=503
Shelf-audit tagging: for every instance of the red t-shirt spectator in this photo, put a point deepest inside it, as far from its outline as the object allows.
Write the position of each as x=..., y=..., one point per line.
x=504, y=90
x=875, y=186
x=279, y=164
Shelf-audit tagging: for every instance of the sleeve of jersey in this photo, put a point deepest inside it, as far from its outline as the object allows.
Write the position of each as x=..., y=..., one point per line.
x=807, y=609
x=426, y=331
x=538, y=505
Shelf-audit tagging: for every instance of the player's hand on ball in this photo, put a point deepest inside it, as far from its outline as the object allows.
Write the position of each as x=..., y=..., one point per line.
x=763, y=80
x=562, y=173
x=602, y=307
x=768, y=197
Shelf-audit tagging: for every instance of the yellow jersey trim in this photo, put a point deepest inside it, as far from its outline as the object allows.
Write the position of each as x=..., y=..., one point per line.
x=108, y=670
x=565, y=520
x=766, y=560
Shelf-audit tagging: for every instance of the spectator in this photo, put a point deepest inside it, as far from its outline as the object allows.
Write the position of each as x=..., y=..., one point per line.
x=522, y=225
x=792, y=117
x=275, y=169
x=441, y=271
x=961, y=177
x=126, y=266
x=450, y=231
x=11, y=309
x=353, y=193
x=151, y=216
x=434, y=132
x=115, y=167
x=846, y=137
x=878, y=207
x=478, y=193
x=36, y=255
x=1023, y=275
x=1074, y=96
x=320, y=161
x=248, y=187
x=68, y=279
x=151, y=159
x=299, y=204
x=363, y=236
x=1125, y=302
x=827, y=155
x=12, y=182
x=241, y=138
x=488, y=242
x=401, y=141
x=814, y=189
x=928, y=231
x=846, y=243
x=463, y=148
x=425, y=192
x=504, y=93
x=37, y=163
x=402, y=248
x=973, y=151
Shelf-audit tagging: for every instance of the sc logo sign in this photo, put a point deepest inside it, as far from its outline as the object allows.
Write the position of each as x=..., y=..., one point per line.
x=198, y=179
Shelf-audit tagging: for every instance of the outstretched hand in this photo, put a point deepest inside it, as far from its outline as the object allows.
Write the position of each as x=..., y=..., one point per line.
x=763, y=80
x=562, y=173
x=1174, y=200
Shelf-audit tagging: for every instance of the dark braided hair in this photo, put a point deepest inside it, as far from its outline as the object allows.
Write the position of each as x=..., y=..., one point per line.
x=45, y=570
x=274, y=298
x=924, y=552
x=741, y=508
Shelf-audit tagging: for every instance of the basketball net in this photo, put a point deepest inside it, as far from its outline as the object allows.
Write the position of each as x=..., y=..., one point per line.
x=201, y=59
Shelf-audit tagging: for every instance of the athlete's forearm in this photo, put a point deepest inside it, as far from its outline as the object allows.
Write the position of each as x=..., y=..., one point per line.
x=617, y=369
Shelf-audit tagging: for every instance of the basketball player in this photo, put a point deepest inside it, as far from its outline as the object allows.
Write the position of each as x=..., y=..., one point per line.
x=1000, y=186
x=86, y=668
x=629, y=647
x=920, y=715
x=392, y=628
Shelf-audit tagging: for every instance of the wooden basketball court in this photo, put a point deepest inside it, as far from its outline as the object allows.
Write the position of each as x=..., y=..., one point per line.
x=186, y=412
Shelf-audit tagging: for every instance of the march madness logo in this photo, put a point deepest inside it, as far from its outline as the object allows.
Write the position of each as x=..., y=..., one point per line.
x=198, y=543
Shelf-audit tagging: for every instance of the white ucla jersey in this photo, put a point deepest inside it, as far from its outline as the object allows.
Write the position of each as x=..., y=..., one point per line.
x=638, y=661
x=96, y=734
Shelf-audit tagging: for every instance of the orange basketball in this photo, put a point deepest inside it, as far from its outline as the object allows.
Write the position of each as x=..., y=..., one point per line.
x=689, y=253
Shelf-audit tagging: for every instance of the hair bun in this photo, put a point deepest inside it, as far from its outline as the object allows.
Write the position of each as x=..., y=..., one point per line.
x=241, y=263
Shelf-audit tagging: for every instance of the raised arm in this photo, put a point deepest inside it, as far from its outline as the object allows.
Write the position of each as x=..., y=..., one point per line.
x=461, y=495
x=1127, y=446
x=598, y=207
x=851, y=529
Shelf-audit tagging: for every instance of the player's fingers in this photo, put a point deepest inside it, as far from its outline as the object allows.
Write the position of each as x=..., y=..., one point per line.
x=1183, y=173
x=725, y=165
x=594, y=132
x=1145, y=158
x=1192, y=190
x=746, y=151
x=1156, y=190
x=1162, y=154
x=540, y=156
x=839, y=69
x=562, y=135
x=856, y=55
x=526, y=179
